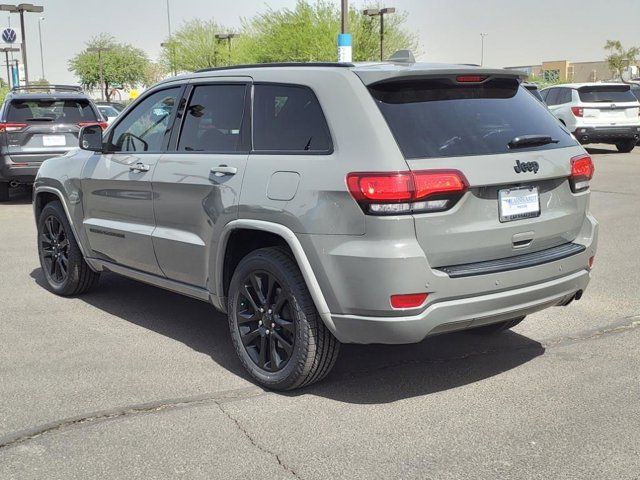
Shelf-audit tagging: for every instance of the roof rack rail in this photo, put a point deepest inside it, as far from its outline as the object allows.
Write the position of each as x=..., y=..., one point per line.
x=280, y=64
x=49, y=87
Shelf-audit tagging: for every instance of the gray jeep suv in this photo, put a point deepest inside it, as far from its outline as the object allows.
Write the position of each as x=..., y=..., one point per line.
x=323, y=203
x=39, y=122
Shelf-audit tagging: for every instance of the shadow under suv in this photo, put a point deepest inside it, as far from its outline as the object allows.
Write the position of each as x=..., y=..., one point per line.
x=318, y=204
x=37, y=123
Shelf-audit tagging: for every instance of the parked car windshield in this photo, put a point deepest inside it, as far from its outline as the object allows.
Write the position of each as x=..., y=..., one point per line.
x=440, y=118
x=50, y=111
x=606, y=94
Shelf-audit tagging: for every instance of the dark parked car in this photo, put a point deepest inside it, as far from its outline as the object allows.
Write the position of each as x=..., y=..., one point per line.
x=37, y=123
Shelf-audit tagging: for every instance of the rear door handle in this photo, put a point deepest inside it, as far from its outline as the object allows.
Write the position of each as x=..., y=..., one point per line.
x=222, y=170
x=139, y=167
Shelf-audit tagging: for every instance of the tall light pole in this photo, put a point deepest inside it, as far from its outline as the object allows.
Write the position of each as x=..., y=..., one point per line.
x=379, y=12
x=6, y=51
x=99, y=51
x=482, y=35
x=40, y=20
x=21, y=8
x=344, y=38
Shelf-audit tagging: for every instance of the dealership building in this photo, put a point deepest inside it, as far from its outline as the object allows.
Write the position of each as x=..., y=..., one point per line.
x=566, y=71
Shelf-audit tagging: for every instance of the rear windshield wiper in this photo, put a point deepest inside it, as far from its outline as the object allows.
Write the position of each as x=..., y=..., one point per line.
x=524, y=141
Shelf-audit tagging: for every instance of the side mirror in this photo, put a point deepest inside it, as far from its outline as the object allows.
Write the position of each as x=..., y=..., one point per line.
x=90, y=138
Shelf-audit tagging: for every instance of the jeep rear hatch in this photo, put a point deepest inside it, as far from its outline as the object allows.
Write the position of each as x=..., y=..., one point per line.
x=489, y=163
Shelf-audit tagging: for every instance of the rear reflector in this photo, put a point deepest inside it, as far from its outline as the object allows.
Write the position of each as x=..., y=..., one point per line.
x=394, y=193
x=582, y=171
x=412, y=300
x=591, y=260
x=11, y=127
x=578, y=111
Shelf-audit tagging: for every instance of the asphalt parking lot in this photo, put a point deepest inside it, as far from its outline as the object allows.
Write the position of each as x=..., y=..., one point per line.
x=135, y=382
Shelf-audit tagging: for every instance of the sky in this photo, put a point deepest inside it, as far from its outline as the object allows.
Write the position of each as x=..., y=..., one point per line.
x=519, y=32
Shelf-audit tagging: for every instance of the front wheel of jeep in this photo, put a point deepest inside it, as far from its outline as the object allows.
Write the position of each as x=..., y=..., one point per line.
x=275, y=327
x=63, y=265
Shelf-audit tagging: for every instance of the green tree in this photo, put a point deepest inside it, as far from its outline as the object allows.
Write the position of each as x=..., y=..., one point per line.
x=195, y=46
x=620, y=58
x=154, y=72
x=309, y=31
x=122, y=65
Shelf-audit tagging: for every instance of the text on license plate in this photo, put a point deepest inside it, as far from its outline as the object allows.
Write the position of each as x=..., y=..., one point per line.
x=54, y=141
x=517, y=203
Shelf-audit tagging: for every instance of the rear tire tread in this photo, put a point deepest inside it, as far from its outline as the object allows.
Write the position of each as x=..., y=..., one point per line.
x=322, y=347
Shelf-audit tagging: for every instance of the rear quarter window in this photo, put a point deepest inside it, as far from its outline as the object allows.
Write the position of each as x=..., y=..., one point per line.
x=288, y=118
x=50, y=111
x=440, y=118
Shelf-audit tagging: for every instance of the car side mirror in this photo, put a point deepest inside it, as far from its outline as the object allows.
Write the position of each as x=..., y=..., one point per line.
x=90, y=138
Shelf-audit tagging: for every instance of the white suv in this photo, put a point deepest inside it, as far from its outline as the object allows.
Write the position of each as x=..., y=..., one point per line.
x=597, y=112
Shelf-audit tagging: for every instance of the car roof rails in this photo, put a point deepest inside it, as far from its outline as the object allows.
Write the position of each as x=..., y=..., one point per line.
x=402, y=56
x=48, y=87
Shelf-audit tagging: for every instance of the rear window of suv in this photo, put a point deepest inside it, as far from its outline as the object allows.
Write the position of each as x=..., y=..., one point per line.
x=50, y=111
x=606, y=94
x=441, y=118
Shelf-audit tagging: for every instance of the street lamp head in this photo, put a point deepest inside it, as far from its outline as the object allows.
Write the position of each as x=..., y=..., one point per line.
x=8, y=8
x=30, y=7
x=371, y=12
x=385, y=11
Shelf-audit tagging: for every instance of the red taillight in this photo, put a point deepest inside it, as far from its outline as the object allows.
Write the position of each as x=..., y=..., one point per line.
x=407, y=192
x=591, y=260
x=582, y=171
x=412, y=300
x=578, y=111
x=470, y=78
x=103, y=125
x=11, y=127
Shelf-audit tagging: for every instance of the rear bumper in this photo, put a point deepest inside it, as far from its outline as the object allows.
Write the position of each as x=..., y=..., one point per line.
x=606, y=134
x=22, y=168
x=460, y=314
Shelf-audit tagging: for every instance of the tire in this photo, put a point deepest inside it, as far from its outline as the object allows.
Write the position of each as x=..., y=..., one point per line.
x=305, y=350
x=65, y=270
x=4, y=191
x=496, y=328
x=626, y=146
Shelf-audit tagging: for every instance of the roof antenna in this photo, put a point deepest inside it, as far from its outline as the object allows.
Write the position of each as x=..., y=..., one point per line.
x=402, y=56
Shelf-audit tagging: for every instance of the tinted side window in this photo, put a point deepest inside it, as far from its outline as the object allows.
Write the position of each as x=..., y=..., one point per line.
x=288, y=118
x=213, y=120
x=565, y=96
x=552, y=96
x=145, y=127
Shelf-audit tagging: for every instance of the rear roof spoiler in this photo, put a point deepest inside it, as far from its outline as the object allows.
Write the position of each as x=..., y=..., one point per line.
x=49, y=87
x=380, y=73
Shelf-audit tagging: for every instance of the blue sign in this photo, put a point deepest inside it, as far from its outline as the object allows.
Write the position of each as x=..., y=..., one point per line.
x=9, y=35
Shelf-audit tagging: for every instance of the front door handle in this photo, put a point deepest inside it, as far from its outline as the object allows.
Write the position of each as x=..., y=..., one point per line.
x=139, y=167
x=222, y=170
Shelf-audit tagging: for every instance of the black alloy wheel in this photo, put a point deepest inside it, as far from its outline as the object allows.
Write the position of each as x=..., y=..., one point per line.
x=265, y=321
x=54, y=245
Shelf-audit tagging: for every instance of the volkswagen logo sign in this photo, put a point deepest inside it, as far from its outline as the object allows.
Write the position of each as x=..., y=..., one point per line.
x=9, y=35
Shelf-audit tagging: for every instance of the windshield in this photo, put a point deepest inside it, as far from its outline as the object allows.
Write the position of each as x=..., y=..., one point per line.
x=606, y=94
x=50, y=111
x=108, y=111
x=440, y=118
